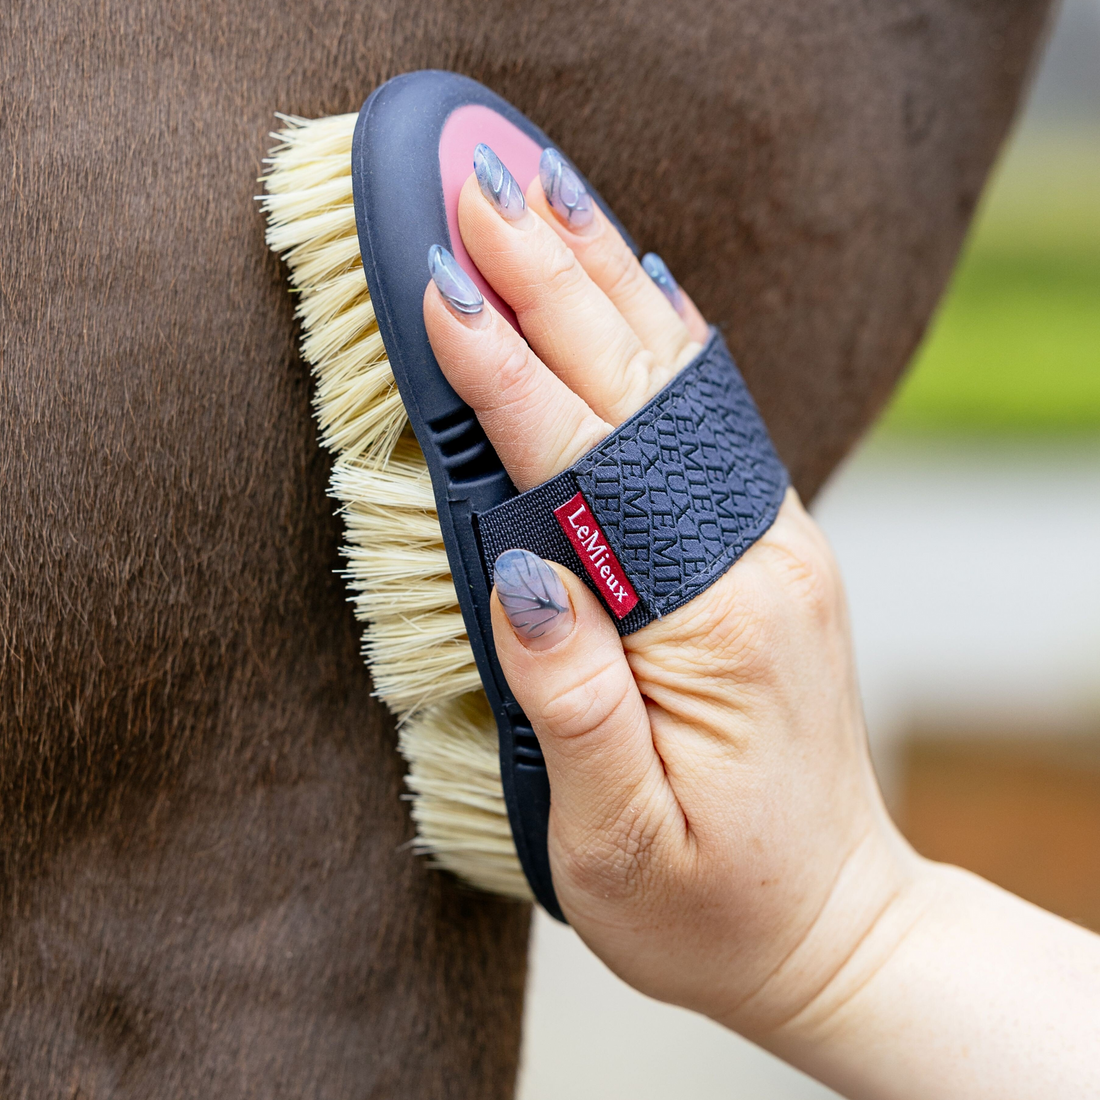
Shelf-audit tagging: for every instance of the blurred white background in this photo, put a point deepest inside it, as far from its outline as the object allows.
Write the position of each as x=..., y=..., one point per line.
x=973, y=574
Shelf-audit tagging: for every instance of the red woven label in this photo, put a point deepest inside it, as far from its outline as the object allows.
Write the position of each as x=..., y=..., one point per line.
x=582, y=530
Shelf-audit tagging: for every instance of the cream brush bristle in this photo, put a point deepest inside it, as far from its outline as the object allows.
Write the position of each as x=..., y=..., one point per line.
x=415, y=642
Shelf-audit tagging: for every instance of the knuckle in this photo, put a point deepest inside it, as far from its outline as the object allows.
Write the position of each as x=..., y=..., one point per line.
x=512, y=376
x=579, y=440
x=562, y=273
x=620, y=272
x=809, y=576
x=635, y=382
x=589, y=707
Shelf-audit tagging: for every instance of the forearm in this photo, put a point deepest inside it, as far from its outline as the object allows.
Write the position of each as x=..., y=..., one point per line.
x=959, y=990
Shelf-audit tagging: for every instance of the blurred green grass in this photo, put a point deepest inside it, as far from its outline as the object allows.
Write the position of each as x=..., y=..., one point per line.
x=1015, y=346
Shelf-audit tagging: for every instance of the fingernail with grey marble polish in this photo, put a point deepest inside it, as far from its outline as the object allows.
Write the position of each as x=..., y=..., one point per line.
x=497, y=184
x=568, y=197
x=658, y=271
x=453, y=283
x=534, y=599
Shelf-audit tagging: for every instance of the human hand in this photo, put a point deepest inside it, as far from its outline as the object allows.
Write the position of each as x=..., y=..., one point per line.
x=714, y=812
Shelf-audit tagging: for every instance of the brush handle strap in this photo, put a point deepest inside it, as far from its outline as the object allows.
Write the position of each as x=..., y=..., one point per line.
x=660, y=509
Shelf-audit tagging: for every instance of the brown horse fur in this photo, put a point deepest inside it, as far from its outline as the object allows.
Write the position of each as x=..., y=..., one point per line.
x=203, y=890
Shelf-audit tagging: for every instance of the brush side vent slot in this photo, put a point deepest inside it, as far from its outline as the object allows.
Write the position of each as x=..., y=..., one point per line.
x=467, y=455
x=525, y=747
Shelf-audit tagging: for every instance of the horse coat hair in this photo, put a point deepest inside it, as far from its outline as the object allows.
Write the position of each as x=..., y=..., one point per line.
x=202, y=884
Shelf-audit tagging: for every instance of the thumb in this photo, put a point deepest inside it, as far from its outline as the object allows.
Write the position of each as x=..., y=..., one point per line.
x=565, y=664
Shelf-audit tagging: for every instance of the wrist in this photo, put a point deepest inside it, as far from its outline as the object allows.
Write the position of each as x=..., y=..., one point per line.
x=956, y=989
x=882, y=890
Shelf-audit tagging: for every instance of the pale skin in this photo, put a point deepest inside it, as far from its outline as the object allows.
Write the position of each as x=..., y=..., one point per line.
x=717, y=835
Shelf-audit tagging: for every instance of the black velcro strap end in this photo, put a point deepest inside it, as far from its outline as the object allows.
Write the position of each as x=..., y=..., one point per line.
x=661, y=508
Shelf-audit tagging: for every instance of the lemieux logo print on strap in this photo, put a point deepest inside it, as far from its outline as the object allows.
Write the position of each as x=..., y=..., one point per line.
x=603, y=567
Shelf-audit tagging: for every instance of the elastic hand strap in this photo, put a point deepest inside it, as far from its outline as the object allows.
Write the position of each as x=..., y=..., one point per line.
x=661, y=508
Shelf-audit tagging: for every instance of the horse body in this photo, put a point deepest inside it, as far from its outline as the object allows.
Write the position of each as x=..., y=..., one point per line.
x=203, y=889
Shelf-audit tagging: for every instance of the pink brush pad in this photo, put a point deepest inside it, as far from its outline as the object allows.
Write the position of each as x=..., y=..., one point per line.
x=462, y=131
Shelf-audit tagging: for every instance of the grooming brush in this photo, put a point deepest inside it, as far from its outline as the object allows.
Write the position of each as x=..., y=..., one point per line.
x=648, y=519
x=388, y=179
